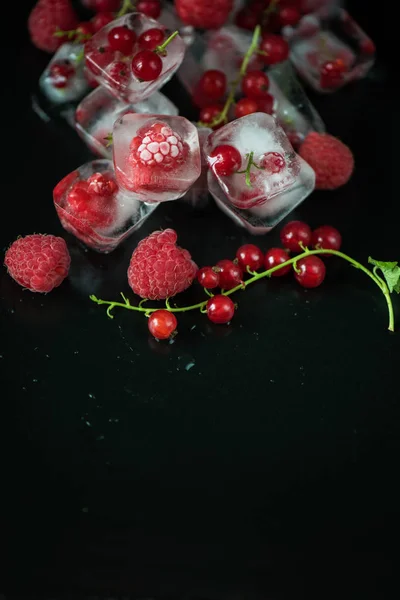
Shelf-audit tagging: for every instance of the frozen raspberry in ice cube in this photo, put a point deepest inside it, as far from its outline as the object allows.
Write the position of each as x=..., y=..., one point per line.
x=159, y=146
x=156, y=157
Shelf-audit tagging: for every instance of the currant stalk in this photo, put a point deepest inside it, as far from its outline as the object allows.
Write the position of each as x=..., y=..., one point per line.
x=223, y=115
x=256, y=277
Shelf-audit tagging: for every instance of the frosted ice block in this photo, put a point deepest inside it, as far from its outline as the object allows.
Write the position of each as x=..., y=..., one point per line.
x=329, y=49
x=292, y=108
x=113, y=70
x=98, y=111
x=92, y=207
x=197, y=196
x=172, y=22
x=156, y=156
x=63, y=79
x=269, y=179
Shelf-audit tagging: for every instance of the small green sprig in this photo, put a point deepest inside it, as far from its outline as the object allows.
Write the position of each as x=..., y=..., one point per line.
x=389, y=270
x=222, y=117
x=250, y=163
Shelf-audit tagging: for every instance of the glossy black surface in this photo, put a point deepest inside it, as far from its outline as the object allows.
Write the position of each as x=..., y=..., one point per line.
x=269, y=469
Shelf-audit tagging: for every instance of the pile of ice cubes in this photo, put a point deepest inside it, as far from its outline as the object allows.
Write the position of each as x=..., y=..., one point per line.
x=149, y=154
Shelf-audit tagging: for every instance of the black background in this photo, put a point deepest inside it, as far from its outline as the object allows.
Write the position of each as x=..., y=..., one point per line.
x=270, y=468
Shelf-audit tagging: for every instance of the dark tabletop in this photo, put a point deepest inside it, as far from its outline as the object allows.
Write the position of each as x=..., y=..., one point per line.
x=266, y=470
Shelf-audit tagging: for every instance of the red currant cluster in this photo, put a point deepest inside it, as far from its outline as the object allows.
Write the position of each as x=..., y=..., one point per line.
x=227, y=275
x=212, y=87
x=120, y=39
x=272, y=15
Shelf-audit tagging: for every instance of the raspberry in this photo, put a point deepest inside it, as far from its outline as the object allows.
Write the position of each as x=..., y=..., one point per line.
x=332, y=161
x=38, y=262
x=159, y=268
x=208, y=14
x=92, y=201
x=158, y=146
x=45, y=18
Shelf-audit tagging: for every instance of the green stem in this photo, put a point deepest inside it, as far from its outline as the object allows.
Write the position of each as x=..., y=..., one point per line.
x=256, y=277
x=160, y=49
x=126, y=7
x=223, y=115
x=250, y=163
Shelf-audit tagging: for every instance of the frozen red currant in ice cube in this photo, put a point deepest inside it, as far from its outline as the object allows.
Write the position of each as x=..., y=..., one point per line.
x=156, y=157
x=60, y=74
x=272, y=162
x=147, y=68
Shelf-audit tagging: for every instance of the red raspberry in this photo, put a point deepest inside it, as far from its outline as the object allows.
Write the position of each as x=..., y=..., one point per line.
x=158, y=146
x=38, y=262
x=332, y=161
x=45, y=18
x=159, y=268
x=91, y=201
x=207, y=14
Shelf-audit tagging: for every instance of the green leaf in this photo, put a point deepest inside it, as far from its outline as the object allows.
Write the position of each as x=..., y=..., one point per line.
x=391, y=272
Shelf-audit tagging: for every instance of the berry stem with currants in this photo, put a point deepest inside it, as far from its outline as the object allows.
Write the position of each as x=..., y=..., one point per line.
x=390, y=271
x=222, y=117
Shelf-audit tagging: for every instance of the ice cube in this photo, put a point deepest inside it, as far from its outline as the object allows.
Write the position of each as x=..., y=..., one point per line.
x=98, y=111
x=113, y=70
x=222, y=50
x=63, y=79
x=172, y=22
x=92, y=207
x=197, y=196
x=292, y=108
x=329, y=49
x=267, y=178
x=156, y=156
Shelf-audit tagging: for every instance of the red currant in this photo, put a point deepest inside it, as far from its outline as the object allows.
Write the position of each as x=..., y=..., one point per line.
x=230, y=274
x=220, y=309
x=146, y=65
x=273, y=162
x=162, y=324
x=225, y=160
x=209, y=113
x=101, y=20
x=208, y=277
x=255, y=84
x=331, y=74
x=150, y=39
x=275, y=257
x=102, y=6
x=121, y=39
x=60, y=73
x=288, y=15
x=295, y=233
x=245, y=106
x=118, y=72
x=250, y=256
x=212, y=84
x=246, y=19
x=266, y=104
x=326, y=237
x=275, y=47
x=150, y=8
x=84, y=30
x=310, y=271
x=367, y=46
